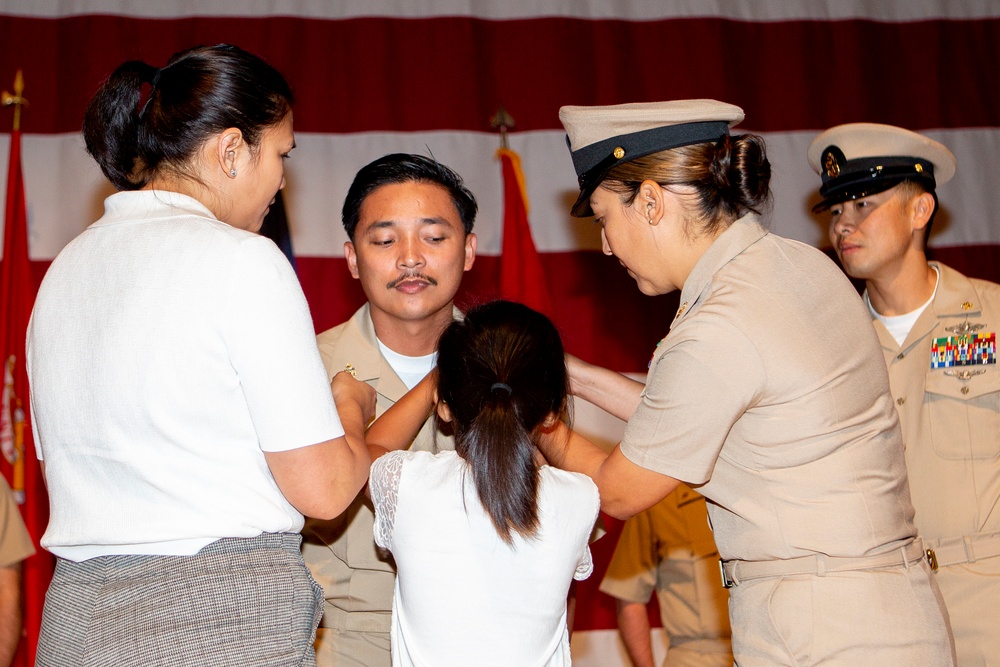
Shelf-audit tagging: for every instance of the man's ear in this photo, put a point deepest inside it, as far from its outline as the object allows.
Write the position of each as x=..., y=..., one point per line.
x=352, y=259
x=470, y=249
x=921, y=209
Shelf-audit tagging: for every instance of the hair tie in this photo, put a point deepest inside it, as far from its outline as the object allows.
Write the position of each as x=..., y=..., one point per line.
x=501, y=386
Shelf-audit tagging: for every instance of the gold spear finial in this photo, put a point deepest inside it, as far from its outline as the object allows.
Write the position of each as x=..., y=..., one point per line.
x=16, y=100
x=502, y=121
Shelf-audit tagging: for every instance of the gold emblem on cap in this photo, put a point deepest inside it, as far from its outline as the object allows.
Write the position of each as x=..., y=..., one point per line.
x=919, y=168
x=619, y=153
x=831, y=166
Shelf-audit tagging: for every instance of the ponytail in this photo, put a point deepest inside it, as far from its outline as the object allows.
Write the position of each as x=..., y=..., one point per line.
x=500, y=453
x=501, y=373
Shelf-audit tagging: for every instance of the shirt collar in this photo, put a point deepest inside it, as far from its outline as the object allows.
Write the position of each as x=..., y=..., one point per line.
x=742, y=234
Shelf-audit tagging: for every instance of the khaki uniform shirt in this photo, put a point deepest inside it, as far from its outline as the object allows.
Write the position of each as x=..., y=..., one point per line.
x=951, y=424
x=358, y=578
x=951, y=431
x=770, y=392
x=669, y=549
x=15, y=543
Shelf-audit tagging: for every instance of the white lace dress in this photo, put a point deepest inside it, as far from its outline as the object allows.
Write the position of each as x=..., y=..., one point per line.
x=463, y=596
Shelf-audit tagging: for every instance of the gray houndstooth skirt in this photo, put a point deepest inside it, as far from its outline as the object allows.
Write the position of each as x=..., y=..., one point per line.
x=239, y=601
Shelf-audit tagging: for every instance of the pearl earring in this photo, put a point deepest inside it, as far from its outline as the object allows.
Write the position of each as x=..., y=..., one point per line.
x=232, y=173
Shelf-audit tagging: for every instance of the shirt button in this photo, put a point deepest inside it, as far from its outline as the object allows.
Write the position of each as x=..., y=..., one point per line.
x=900, y=400
x=965, y=390
x=900, y=355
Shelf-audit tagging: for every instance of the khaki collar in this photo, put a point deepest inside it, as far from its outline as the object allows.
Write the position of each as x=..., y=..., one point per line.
x=742, y=234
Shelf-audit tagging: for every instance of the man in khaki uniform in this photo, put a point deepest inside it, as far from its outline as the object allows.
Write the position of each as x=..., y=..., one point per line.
x=15, y=546
x=938, y=330
x=409, y=220
x=669, y=549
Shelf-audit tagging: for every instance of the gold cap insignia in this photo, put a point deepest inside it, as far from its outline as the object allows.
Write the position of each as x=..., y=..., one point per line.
x=619, y=153
x=919, y=168
x=830, y=165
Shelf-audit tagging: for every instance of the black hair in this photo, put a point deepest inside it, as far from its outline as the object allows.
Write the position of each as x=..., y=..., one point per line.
x=199, y=92
x=407, y=168
x=501, y=373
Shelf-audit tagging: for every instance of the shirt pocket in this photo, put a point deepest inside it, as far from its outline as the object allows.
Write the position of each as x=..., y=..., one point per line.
x=963, y=417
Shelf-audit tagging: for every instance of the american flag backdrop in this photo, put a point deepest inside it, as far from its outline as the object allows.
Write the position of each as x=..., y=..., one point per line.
x=379, y=76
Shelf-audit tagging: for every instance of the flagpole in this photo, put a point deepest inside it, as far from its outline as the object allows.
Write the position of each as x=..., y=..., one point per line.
x=16, y=99
x=502, y=121
x=13, y=428
x=17, y=294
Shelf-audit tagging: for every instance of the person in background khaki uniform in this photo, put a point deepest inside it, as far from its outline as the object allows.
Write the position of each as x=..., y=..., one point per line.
x=409, y=220
x=769, y=393
x=15, y=546
x=669, y=549
x=938, y=334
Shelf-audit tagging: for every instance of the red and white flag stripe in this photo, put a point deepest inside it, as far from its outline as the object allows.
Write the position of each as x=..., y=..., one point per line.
x=379, y=76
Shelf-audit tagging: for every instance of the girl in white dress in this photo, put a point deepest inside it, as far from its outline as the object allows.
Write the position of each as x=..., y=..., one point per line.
x=486, y=538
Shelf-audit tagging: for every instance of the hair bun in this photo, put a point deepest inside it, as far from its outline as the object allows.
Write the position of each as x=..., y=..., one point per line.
x=750, y=170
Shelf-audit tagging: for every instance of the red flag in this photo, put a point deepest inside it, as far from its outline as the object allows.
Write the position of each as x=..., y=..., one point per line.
x=522, y=277
x=19, y=465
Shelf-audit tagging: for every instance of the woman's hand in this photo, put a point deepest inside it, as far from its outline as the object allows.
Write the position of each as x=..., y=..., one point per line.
x=346, y=389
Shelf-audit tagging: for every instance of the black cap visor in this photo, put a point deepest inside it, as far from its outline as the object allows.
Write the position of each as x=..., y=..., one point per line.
x=869, y=176
x=593, y=162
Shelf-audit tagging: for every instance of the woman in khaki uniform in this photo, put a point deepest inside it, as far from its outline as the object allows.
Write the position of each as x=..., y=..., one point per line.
x=769, y=395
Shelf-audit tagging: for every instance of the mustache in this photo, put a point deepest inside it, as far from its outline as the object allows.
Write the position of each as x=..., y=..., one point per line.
x=410, y=275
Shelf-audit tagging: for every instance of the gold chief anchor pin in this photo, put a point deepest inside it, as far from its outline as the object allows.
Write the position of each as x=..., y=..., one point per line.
x=349, y=368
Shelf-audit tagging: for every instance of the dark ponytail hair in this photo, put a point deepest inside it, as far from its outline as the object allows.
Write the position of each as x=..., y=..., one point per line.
x=731, y=177
x=200, y=92
x=501, y=373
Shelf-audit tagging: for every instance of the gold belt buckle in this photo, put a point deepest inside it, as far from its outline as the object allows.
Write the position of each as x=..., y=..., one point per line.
x=932, y=559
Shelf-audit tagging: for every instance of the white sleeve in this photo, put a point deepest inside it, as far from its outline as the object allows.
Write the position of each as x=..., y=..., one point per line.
x=272, y=347
x=586, y=565
x=383, y=483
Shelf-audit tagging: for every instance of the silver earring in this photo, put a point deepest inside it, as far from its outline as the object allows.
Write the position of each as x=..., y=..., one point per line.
x=232, y=173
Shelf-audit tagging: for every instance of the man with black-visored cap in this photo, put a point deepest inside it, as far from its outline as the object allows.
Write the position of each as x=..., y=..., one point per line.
x=938, y=330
